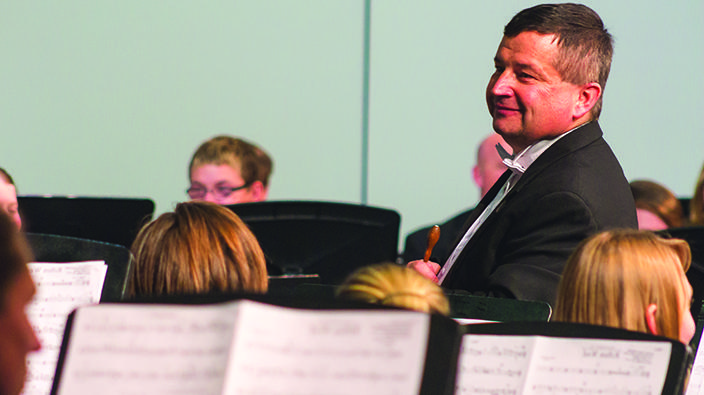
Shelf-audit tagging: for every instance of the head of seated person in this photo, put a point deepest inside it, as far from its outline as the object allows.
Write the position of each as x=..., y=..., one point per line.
x=696, y=205
x=629, y=279
x=200, y=247
x=8, y=198
x=393, y=285
x=17, y=338
x=656, y=206
x=227, y=170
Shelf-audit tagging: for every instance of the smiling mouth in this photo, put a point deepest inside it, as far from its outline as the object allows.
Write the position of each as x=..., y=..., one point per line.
x=502, y=110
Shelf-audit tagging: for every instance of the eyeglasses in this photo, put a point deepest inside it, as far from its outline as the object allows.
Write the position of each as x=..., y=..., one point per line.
x=220, y=192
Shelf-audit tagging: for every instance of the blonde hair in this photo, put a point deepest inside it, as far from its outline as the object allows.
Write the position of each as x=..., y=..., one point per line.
x=393, y=285
x=250, y=161
x=197, y=248
x=612, y=277
x=696, y=205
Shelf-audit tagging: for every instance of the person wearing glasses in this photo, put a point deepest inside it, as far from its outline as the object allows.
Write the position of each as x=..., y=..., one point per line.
x=227, y=170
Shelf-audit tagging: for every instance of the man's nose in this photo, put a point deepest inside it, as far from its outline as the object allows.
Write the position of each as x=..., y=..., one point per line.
x=503, y=84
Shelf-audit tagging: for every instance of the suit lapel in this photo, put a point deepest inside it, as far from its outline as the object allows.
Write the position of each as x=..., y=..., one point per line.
x=577, y=139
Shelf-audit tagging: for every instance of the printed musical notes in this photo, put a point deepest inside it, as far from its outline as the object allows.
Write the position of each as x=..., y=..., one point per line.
x=150, y=350
x=243, y=347
x=61, y=287
x=696, y=379
x=545, y=365
x=321, y=352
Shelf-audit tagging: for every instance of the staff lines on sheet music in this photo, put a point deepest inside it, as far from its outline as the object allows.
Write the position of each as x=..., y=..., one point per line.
x=477, y=390
x=492, y=370
x=385, y=334
x=520, y=352
x=185, y=374
x=339, y=373
x=320, y=350
x=633, y=371
x=153, y=350
x=113, y=326
x=548, y=389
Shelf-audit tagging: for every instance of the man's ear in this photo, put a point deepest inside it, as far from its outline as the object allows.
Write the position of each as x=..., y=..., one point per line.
x=650, y=321
x=258, y=192
x=477, y=176
x=588, y=96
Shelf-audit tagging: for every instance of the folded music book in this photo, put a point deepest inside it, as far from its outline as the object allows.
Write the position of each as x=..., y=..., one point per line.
x=248, y=347
x=562, y=358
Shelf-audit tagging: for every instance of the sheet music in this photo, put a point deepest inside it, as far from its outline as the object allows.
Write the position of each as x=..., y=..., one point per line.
x=61, y=287
x=696, y=378
x=544, y=365
x=304, y=352
x=471, y=321
x=148, y=349
x=493, y=364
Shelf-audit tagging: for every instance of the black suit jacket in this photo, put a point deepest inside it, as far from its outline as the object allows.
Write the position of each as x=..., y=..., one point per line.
x=417, y=242
x=574, y=189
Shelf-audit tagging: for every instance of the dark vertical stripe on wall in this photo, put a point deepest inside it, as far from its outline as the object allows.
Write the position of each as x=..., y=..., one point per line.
x=365, y=104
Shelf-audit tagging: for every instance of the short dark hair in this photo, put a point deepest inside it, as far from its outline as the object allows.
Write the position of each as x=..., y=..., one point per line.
x=14, y=255
x=585, y=46
x=253, y=163
x=4, y=174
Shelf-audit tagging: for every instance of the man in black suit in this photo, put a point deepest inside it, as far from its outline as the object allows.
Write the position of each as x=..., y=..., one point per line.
x=564, y=182
x=486, y=171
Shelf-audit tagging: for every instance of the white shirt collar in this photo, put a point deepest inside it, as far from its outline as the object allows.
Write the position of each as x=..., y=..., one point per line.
x=520, y=163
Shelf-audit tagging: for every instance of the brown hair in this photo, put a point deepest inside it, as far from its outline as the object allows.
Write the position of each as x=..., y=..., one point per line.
x=659, y=200
x=253, y=163
x=696, y=205
x=612, y=277
x=393, y=285
x=585, y=46
x=197, y=248
x=4, y=174
x=14, y=255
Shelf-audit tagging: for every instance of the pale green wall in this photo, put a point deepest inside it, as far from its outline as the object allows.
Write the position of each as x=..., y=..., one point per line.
x=111, y=97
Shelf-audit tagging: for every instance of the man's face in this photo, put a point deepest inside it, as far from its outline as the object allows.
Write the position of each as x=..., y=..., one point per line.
x=527, y=97
x=17, y=338
x=8, y=202
x=218, y=181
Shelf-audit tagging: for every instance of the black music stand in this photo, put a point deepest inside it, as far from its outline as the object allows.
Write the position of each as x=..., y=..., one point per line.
x=323, y=238
x=497, y=309
x=462, y=306
x=58, y=249
x=107, y=219
x=694, y=235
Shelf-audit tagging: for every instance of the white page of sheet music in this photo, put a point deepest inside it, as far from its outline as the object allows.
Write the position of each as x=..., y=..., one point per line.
x=493, y=364
x=696, y=378
x=149, y=349
x=61, y=287
x=544, y=365
x=306, y=352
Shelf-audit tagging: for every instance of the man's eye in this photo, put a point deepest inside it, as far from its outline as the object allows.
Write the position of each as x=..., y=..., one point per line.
x=526, y=76
x=224, y=190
